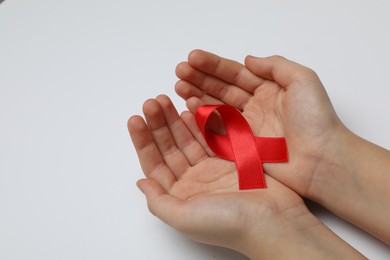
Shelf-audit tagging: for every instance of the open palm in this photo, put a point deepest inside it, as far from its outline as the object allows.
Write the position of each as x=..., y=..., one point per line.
x=277, y=97
x=194, y=191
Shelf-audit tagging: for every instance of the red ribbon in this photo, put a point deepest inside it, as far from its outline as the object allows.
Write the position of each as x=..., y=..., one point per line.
x=241, y=146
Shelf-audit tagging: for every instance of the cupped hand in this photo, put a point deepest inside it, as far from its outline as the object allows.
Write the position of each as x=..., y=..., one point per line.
x=197, y=193
x=278, y=98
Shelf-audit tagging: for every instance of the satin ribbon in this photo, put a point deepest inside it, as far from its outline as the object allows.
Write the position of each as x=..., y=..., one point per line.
x=240, y=145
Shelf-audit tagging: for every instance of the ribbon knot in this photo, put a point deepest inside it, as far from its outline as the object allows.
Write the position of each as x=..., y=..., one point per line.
x=241, y=146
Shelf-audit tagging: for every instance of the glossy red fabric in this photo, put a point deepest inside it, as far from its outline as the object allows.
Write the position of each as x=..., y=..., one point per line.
x=240, y=145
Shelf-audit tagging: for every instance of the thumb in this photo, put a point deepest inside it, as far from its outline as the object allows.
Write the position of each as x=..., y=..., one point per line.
x=163, y=205
x=279, y=69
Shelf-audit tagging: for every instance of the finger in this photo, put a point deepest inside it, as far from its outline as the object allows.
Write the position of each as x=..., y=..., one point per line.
x=279, y=69
x=184, y=140
x=166, y=207
x=149, y=156
x=214, y=121
x=194, y=103
x=172, y=155
x=227, y=70
x=186, y=90
x=189, y=120
x=213, y=86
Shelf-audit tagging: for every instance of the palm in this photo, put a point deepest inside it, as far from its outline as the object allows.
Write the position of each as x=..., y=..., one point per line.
x=208, y=176
x=215, y=209
x=202, y=190
x=297, y=110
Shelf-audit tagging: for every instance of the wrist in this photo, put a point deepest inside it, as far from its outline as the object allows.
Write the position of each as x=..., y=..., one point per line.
x=332, y=164
x=300, y=236
x=351, y=178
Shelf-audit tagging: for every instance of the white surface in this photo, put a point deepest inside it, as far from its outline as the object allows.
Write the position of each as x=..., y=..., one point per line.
x=72, y=72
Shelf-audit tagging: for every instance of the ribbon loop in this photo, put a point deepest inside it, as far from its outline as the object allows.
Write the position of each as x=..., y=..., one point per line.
x=240, y=145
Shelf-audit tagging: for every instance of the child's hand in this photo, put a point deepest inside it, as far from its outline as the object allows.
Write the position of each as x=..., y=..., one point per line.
x=197, y=193
x=327, y=163
x=278, y=98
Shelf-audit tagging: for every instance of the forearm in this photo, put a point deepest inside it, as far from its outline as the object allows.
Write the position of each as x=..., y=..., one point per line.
x=305, y=237
x=355, y=183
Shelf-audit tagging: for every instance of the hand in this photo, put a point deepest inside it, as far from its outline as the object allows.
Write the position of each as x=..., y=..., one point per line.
x=278, y=98
x=327, y=163
x=197, y=193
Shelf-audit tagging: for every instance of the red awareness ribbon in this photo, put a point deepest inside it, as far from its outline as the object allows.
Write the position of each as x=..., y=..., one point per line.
x=241, y=146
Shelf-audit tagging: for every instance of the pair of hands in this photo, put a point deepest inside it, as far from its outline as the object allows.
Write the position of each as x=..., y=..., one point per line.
x=197, y=193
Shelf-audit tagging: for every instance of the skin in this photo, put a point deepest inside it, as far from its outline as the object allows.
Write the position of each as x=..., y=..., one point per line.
x=197, y=193
x=327, y=162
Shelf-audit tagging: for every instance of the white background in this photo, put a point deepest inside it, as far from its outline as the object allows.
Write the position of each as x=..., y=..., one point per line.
x=72, y=72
